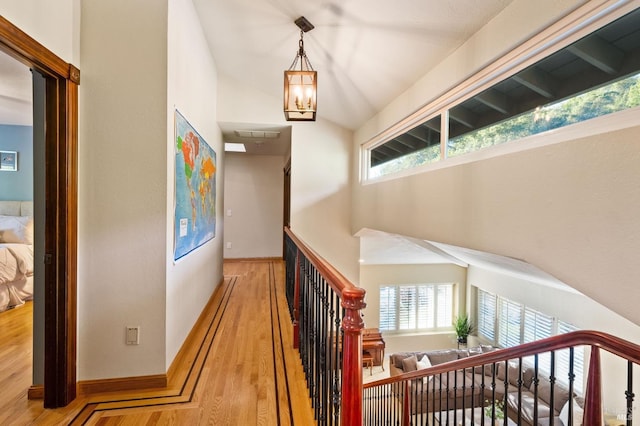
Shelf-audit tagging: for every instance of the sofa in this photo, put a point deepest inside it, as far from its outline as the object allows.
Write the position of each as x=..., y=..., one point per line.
x=479, y=386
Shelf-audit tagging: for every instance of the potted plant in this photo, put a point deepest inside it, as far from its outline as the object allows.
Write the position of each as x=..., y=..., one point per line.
x=494, y=410
x=463, y=326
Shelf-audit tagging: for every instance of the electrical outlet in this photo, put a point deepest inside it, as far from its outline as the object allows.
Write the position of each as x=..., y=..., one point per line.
x=133, y=335
x=229, y=245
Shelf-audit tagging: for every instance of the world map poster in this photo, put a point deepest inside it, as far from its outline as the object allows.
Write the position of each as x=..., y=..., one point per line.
x=195, y=189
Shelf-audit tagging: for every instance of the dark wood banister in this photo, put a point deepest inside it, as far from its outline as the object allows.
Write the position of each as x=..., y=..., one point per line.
x=352, y=300
x=615, y=345
x=595, y=339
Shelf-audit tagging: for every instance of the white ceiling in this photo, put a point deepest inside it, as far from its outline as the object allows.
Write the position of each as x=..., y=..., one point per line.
x=366, y=52
x=381, y=248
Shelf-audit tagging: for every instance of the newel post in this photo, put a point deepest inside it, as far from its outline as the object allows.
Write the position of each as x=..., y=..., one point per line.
x=593, y=393
x=352, y=325
x=296, y=301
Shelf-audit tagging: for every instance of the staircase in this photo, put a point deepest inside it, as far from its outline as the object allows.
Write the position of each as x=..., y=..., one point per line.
x=514, y=386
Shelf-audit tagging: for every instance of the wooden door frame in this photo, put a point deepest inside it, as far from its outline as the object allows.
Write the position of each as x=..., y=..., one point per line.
x=61, y=206
x=286, y=208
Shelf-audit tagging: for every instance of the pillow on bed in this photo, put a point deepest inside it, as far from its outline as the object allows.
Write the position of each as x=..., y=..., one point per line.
x=16, y=229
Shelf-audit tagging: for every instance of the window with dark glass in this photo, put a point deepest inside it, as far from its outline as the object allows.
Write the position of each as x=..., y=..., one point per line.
x=597, y=75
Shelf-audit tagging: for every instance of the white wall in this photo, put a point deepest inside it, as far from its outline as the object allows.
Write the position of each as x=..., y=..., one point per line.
x=321, y=153
x=568, y=208
x=54, y=24
x=125, y=211
x=122, y=188
x=254, y=192
x=192, y=89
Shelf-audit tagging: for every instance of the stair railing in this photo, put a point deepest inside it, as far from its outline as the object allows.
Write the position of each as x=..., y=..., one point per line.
x=465, y=391
x=325, y=308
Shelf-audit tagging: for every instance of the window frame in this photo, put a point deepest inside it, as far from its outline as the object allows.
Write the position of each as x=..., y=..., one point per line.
x=576, y=25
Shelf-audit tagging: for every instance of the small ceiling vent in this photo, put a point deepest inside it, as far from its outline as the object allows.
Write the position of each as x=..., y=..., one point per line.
x=257, y=134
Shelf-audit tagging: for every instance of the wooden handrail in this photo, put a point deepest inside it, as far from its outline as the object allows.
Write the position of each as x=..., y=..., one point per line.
x=352, y=301
x=625, y=349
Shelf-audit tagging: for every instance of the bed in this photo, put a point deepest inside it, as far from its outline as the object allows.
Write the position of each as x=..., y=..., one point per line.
x=16, y=253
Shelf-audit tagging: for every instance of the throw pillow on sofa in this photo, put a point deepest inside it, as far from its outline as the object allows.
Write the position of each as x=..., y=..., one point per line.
x=423, y=363
x=410, y=364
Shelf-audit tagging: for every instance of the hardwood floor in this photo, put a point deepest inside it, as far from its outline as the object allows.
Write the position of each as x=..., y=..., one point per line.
x=236, y=368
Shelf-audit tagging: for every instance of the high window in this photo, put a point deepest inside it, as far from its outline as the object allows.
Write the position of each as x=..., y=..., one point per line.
x=506, y=323
x=594, y=76
x=416, y=307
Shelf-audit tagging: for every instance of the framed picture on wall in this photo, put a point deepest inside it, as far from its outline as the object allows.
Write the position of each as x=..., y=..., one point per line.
x=8, y=161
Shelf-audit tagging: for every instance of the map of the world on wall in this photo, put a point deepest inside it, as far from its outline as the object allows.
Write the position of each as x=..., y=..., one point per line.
x=195, y=189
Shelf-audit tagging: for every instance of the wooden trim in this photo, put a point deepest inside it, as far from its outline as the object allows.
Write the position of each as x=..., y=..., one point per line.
x=615, y=345
x=61, y=142
x=89, y=387
x=27, y=50
x=35, y=392
x=593, y=393
x=352, y=300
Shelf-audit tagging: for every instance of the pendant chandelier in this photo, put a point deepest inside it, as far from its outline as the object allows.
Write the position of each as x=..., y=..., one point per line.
x=300, y=82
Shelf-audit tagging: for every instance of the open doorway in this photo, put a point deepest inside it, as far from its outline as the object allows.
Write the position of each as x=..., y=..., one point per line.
x=22, y=365
x=55, y=86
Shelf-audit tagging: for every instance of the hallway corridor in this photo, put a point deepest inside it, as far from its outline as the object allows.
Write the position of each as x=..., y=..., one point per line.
x=236, y=368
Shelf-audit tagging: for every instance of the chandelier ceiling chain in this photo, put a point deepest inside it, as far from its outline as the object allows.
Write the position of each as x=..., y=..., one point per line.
x=300, y=86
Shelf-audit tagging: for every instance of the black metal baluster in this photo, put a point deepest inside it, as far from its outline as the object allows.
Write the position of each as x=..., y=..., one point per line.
x=552, y=379
x=332, y=359
x=629, y=393
x=482, y=388
x=571, y=379
x=504, y=404
x=536, y=381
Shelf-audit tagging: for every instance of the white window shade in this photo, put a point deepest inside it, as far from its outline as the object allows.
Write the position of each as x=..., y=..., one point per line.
x=510, y=323
x=487, y=315
x=416, y=307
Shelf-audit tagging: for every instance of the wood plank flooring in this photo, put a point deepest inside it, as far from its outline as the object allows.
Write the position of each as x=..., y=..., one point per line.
x=238, y=367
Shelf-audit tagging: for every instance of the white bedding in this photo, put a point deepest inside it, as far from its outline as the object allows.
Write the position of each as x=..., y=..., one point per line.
x=16, y=275
x=16, y=253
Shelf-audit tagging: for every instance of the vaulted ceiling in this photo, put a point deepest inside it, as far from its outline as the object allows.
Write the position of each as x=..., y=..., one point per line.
x=366, y=52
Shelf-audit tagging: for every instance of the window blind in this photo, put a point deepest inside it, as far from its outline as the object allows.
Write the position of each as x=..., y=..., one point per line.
x=486, y=315
x=510, y=323
x=416, y=307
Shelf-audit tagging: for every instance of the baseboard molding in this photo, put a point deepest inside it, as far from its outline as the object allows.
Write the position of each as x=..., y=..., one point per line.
x=35, y=392
x=88, y=387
